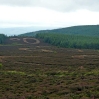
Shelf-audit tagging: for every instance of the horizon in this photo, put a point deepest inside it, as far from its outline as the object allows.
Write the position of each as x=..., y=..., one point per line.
x=10, y=31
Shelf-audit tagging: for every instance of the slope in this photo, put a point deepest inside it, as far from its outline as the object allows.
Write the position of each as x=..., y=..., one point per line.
x=86, y=30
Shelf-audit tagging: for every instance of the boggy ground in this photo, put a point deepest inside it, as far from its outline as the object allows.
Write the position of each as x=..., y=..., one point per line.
x=41, y=71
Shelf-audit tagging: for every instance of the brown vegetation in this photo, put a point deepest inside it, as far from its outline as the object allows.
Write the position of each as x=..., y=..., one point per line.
x=48, y=72
x=14, y=39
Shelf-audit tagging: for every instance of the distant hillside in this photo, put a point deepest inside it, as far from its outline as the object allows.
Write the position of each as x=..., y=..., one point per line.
x=16, y=30
x=20, y=30
x=86, y=30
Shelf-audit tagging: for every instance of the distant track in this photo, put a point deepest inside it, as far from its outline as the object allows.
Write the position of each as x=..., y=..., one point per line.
x=36, y=40
x=17, y=56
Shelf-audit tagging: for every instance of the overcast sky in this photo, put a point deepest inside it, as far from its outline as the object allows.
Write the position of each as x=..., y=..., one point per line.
x=48, y=13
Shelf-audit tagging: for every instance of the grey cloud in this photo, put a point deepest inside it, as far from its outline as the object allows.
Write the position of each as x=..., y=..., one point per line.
x=59, y=5
x=19, y=2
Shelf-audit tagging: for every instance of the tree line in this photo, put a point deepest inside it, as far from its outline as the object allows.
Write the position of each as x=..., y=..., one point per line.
x=2, y=38
x=70, y=41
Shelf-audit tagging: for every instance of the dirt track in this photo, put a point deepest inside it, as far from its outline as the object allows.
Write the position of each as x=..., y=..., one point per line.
x=25, y=40
x=36, y=40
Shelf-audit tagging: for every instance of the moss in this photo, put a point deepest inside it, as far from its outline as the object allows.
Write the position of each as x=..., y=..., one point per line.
x=15, y=72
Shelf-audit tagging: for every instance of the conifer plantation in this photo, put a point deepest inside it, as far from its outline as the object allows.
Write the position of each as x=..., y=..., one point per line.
x=70, y=41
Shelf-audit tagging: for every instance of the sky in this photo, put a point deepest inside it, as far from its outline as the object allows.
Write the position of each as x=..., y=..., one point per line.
x=48, y=13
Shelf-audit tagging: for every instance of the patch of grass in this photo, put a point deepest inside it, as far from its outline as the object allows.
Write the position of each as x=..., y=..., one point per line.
x=15, y=72
x=93, y=72
x=1, y=65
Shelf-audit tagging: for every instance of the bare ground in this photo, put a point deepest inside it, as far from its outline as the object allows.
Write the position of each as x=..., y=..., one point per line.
x=36, y=40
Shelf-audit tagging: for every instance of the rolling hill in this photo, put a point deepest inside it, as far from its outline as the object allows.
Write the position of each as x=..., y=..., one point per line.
x=86, y=30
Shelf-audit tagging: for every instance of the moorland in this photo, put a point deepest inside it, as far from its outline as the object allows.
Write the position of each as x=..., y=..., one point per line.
x=32, y=69
x=51, y=64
